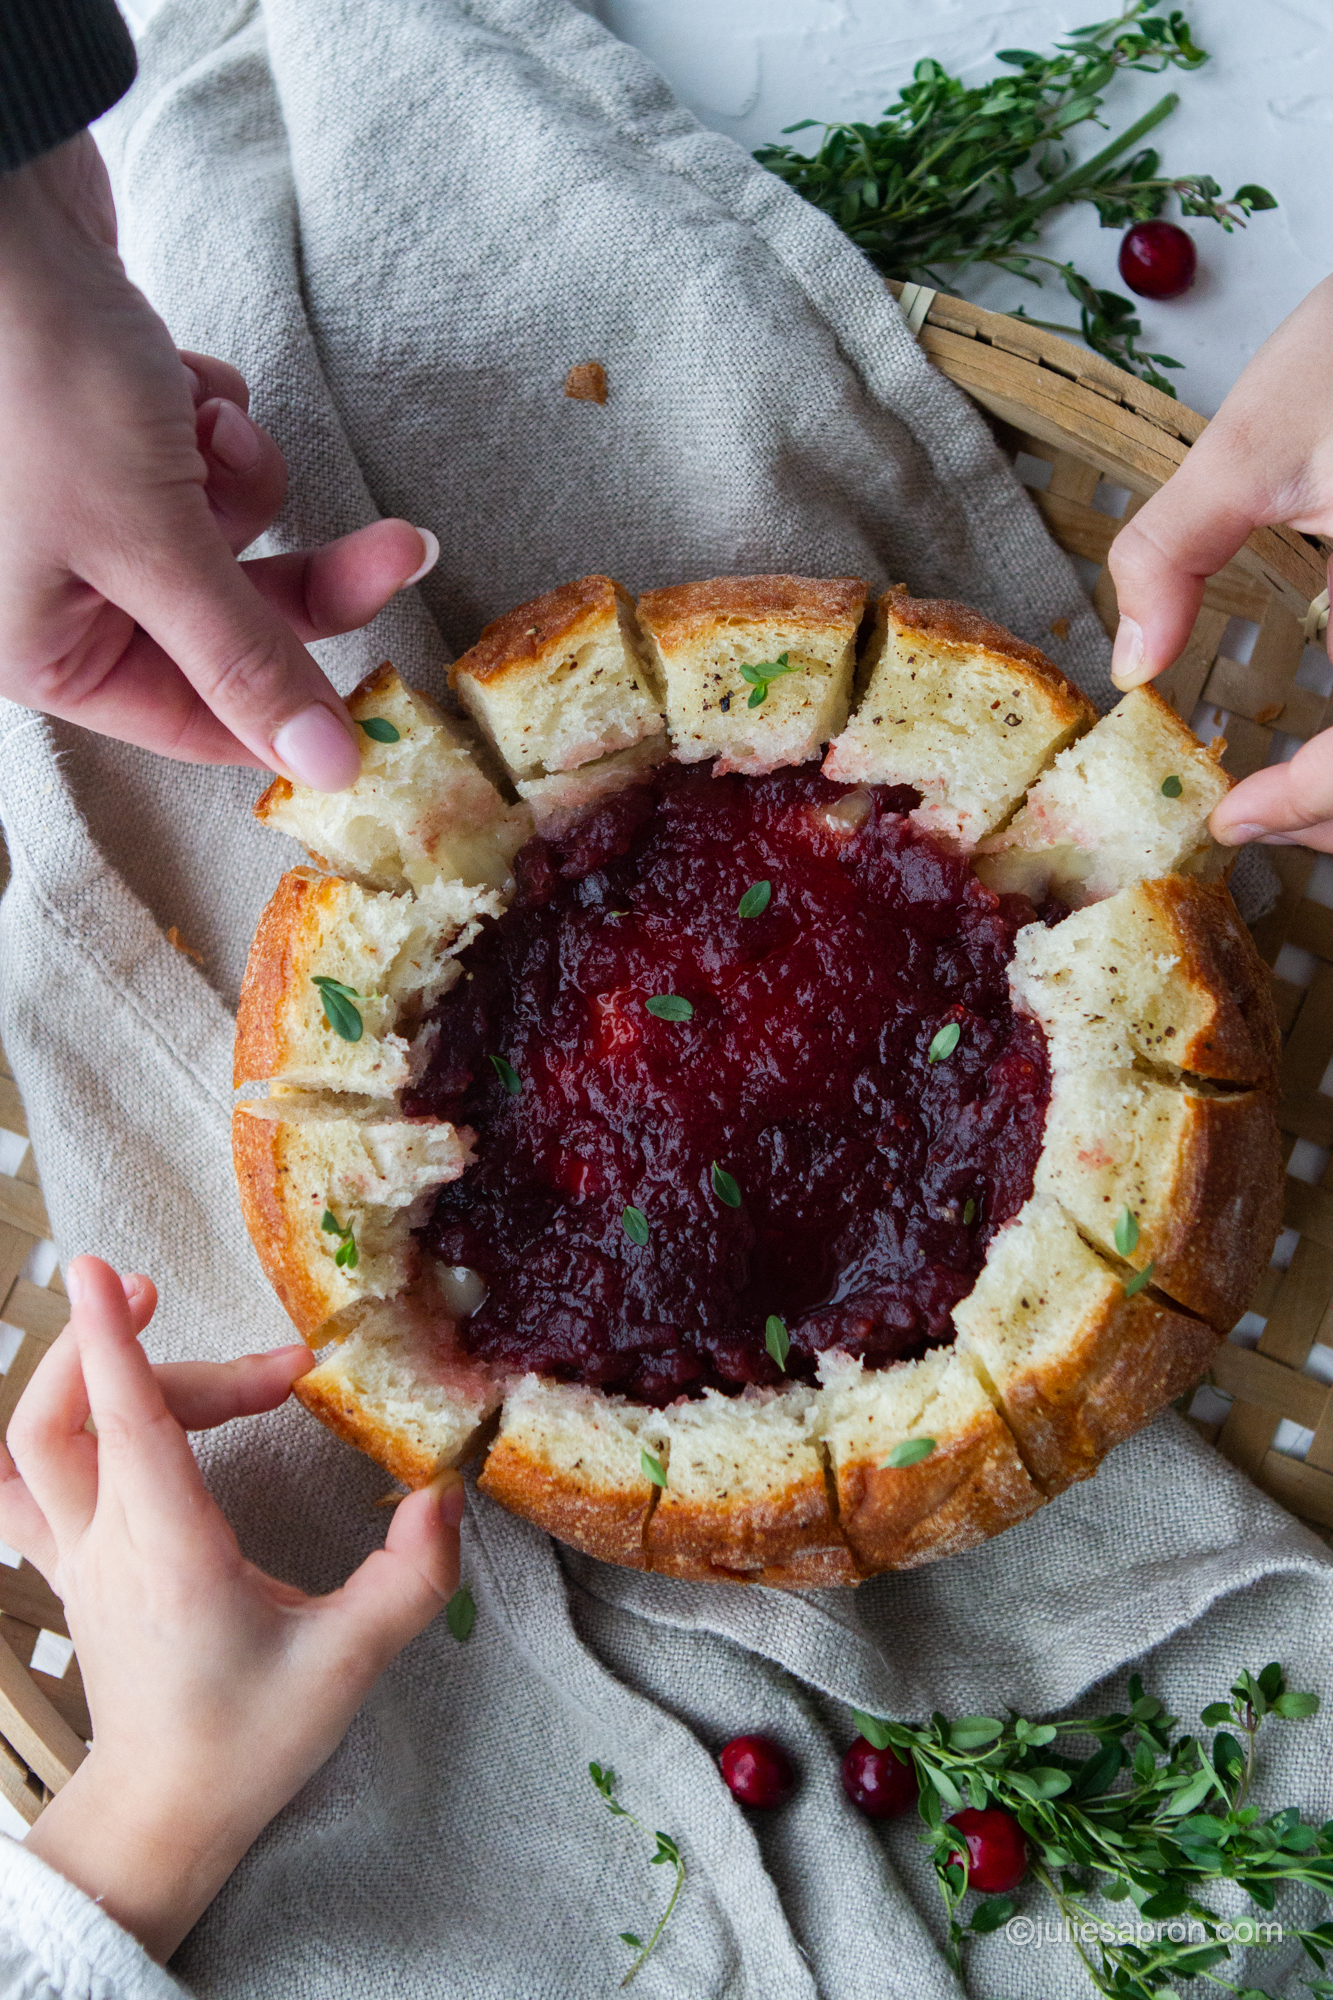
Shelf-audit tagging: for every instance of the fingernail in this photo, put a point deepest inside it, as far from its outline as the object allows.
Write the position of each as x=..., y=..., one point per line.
x=317, y=751
x=1280, y=839
x=1128, y=665
x=1236, y=836
x=430, y=543
x=74, y=1286
x=235, y=441
x=452, y=1504
x=292, y=1347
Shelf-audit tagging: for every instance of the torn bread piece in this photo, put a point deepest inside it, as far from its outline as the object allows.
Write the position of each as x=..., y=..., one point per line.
x=326, y=1188
x=421, y=810
x=746, y=1499
x=1074, y=1365
x=395, y=955
x=701, y=636
x=1162, y=973
x=1128, y=802
x=561, y=680
x=1190, y=1179
x=969, y=1486
x=957, y=708
x=562, y=798
x=402, y=1387
x=570, y=1459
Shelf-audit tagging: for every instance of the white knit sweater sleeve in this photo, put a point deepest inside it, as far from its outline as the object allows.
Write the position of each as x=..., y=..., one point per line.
x=56, y=1944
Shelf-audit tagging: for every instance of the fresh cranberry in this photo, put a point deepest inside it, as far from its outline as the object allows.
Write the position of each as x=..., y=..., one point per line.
x=878, y=1781
x=757, y=1771
x=1157, y=260
x=997, y=1851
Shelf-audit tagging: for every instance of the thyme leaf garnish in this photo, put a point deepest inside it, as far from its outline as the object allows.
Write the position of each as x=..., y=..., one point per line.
x=380, y=730
x=340, y=1009
x=755, y=900
x=667, y=1855
x=460, y=1614
x=725, y=1187
x=635, y=1225
x=652, y=1467
x=507, y=1074
x=1172, y=787
x=944, y=1043
x=777, y=1340
x=670, y=1007
x=759, y=676
x=1127, y=1232
x=910, y=1452
x=346, y=1256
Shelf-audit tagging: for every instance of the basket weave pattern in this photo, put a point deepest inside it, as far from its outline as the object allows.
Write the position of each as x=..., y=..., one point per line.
x=1081, y=432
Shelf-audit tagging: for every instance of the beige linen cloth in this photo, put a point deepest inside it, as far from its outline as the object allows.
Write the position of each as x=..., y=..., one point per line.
x=405, y=220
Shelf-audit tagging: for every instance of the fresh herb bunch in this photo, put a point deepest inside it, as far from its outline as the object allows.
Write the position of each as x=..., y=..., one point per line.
x=1146, y=1816
x=954, y=175
x=668, y=1854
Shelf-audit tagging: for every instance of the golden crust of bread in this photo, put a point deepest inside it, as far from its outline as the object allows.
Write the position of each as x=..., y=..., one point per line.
x=679, y=612
x=1054, y=1364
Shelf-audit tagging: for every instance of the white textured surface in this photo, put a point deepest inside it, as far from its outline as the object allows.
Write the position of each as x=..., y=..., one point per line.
x=1260, y=110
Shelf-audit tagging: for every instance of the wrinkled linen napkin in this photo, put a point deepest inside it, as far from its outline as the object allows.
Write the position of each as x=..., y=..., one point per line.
x=405, y=220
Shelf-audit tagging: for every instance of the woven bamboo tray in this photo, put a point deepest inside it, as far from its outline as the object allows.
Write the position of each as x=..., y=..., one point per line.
x=1091, y=443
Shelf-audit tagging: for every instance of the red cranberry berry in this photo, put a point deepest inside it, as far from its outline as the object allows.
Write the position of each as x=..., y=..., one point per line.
x=997, y=1851
x=1157, y=260
x=757, y=1771
x=877, y=1781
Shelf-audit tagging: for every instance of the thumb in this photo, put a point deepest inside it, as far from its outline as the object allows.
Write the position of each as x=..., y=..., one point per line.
x=177, y=578
x=400, y=1588
x=1163, y=556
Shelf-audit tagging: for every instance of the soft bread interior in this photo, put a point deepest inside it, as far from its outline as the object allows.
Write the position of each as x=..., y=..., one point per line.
x=700, y=636
x=959, y=709
x=557, y=801
x=571, y=1458
x=561, y=680
x=1099, y=819
x=1073, y=1364
x=302, y=1162
x=397, y=953
x=402, y=1388
x=1163, y=973
x=421, y=810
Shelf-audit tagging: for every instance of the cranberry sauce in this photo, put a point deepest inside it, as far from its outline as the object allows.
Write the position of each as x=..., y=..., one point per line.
x=865, y=1179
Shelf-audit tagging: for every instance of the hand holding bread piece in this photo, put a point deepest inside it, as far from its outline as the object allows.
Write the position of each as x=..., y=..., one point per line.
x=1155, y=1196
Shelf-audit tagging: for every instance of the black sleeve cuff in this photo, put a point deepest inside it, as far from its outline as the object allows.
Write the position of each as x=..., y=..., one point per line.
x=62, y=64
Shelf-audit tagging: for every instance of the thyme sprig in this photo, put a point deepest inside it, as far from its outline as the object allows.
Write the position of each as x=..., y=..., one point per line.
x=346, y=1256
x=340, y=1009
x=667, y=1855
x=955, y=176
x=1145, y=1816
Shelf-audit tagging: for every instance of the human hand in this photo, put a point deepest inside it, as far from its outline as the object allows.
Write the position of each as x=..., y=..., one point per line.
x=130, y=479
x=215, y=1690
x=1267, y=456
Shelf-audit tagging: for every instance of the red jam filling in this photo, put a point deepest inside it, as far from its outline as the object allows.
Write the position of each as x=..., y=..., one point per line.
x=865, y=1179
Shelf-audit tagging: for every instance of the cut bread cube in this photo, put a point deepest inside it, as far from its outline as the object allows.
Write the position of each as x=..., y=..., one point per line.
x=557, y=801
x=402, y=1387
x=303, y=1165
x=1162, y=973
x=561, y=680
x=422, y=808
x=1199, y=1173
x=746, y=1497
x=957, y=708
x=1074, y=1365
x=1099, y=818
x=397, y=954
x=972, y=1484
x=701, y=635
x=570, y=1459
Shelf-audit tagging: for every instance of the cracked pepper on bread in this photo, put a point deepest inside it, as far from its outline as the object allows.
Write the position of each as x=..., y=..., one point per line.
x=1154, y=1202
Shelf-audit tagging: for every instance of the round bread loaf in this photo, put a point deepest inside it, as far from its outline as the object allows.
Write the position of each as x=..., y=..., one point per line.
x=1156, y=1196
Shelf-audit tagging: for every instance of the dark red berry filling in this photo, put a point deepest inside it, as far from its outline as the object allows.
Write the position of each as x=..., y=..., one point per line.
x=757, y=1771
x=790, y=1149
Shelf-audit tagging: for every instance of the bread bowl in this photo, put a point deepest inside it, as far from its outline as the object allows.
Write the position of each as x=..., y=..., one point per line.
x=1028, y=981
